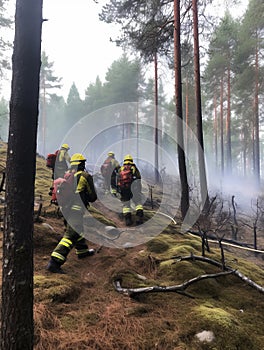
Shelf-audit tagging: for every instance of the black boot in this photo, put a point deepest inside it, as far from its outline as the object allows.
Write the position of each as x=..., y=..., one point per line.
x=89, y=252
x=128, y=219
x=54, y=267
x=139, y=217
x=51, y=190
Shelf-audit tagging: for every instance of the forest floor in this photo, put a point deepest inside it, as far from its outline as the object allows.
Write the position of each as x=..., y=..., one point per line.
x=82, y=308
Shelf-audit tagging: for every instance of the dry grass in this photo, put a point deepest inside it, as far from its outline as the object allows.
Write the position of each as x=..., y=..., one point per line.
x=81, y=310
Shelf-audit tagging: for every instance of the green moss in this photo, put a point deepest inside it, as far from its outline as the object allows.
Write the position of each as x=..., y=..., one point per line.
x=157, y=245
x=69, y=323
x=130, y=279
x=215, y=315
x=230, y=332
x=99, y=216
x=56, y=289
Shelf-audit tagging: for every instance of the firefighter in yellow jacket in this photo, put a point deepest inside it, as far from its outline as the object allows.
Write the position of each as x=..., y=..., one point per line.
x=129, y=186
x=73, y=237
x=62, y=161
x=107, y=169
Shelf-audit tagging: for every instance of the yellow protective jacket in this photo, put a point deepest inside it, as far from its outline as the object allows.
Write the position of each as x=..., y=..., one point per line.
x=85, y=187
x=64, y=156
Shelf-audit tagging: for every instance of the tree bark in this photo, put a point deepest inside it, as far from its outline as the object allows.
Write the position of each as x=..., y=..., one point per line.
x=256, y=110
x=228, y=125
x=156, y=130
x=222, y=125
x=215, y=134
x=187, y=115
x=199, y=118
x=178, y=97
x=17, y=288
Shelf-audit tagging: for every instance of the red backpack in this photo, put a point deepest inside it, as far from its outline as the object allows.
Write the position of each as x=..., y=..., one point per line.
x=51, y=159
x=106, y=167
x=125, y=176
x=63, y=190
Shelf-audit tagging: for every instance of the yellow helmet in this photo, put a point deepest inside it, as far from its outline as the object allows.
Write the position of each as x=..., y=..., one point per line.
x=110, y=154
x=65, y=146
x=128, y=158
x=77, y=158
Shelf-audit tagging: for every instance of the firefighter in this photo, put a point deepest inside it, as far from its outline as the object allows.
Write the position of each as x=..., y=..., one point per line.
x=62, y=161
x=107, y=169
x=83, y=189
x=129, y=186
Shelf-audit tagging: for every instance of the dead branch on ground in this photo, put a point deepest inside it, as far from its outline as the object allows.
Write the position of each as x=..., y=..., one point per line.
x=178, y=288
x=182, y=287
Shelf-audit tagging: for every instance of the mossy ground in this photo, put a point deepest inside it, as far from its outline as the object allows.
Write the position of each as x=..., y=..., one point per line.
x=82, y=310
x=90, y=314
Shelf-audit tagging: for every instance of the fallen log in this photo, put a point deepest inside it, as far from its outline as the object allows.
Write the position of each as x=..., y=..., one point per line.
x=183, y=286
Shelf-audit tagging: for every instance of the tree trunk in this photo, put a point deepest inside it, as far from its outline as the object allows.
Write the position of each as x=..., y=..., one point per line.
x=244, y=155
x=156, y=132
x=215, y=134
x=199, y=118
x=253, y=146
x=17, y=289
x=187, y=116
x=178, y=97
x=44, y=117
x=228, y=125
x=222, y=125
x=256, y=110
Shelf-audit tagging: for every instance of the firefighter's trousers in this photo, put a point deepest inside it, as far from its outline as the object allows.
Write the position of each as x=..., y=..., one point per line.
x=72, y=238
x=127, y=196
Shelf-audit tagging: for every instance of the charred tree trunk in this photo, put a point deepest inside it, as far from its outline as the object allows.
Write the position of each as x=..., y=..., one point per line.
x=17, y=289
x=199, y=118
x=178, y=97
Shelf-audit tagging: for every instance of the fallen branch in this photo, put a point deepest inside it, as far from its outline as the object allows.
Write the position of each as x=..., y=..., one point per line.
x=249, y=281
x=182, y=287
x=229, y=242
x=216, y=263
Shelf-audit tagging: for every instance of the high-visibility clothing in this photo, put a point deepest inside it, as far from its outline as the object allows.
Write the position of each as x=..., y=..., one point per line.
x=73, y=236
x=61, y=166
x=107, y=168
x=133, y=192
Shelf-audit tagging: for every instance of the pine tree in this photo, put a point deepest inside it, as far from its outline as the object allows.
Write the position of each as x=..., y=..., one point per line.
x=17, y=326
x=5, y=23
x=48, y=82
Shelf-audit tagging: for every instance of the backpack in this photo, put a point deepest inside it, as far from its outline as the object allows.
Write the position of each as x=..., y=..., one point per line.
x=51, y=159
x=106, y=167
x=125, y=176
x=63, y=190
x=92, y=195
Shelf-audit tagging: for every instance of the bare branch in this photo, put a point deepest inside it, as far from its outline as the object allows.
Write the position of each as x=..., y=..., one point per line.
x=180, y=288
x=157, y=289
